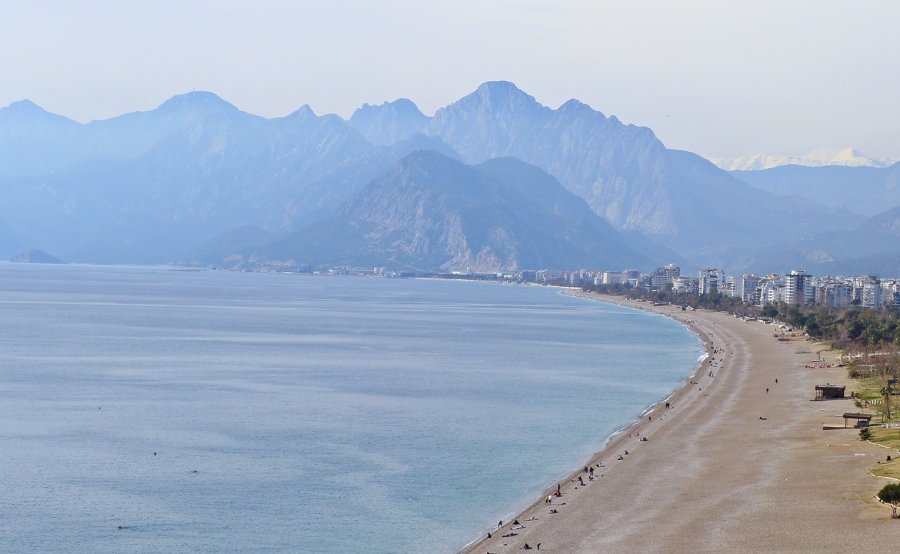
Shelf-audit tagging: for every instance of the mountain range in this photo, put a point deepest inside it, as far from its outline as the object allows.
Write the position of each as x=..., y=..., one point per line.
x=430, y=211
x=868, y=247
x=492, y=181
x=864, y=190
x=849, y=157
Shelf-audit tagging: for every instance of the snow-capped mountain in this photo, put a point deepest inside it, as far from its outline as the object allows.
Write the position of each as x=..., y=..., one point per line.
x=849, y=157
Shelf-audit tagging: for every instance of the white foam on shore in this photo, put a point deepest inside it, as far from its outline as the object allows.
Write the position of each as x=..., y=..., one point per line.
x=702, y=356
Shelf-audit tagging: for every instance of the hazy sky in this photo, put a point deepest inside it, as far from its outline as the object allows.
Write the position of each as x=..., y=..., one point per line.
x=716, y=77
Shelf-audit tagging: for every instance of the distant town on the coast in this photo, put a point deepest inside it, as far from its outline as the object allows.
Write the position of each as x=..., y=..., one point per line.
x=492, y=182
x=795, y=287
x=472, y=277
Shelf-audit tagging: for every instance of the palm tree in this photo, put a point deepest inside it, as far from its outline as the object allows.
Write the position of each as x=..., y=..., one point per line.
x=886, y=393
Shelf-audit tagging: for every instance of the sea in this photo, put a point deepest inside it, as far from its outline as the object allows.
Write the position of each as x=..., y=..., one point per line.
x=146, y=409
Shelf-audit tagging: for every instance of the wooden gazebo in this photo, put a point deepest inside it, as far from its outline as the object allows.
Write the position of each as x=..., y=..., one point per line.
x=862, y=420
x=829, y=392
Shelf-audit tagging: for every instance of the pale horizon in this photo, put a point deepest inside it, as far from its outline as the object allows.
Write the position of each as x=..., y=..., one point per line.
x=719, y=79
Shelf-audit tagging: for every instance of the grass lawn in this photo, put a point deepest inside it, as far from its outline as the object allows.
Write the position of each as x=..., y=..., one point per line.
x=888, y=469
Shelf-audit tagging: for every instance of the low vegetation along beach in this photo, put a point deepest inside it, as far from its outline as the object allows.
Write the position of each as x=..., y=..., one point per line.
x=736, y=460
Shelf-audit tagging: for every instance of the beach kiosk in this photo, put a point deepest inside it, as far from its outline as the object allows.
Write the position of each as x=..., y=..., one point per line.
x=829, y=392
x=862, y=420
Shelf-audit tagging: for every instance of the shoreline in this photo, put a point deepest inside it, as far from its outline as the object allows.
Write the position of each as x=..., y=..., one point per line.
x=618, y=437
x=748, y=432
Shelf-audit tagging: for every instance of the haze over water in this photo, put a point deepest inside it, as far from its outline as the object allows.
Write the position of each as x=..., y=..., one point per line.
x=213, y=411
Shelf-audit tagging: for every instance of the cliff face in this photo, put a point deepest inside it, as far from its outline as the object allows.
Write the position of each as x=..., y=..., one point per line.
x=623, y=172
x=390, y=122
x=431, y=212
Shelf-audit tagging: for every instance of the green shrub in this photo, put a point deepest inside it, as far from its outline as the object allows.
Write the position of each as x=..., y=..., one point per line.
x=890, y=493
x=865, y=434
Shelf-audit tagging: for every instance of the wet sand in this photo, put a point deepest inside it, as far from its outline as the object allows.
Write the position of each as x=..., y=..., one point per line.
x=729, y=467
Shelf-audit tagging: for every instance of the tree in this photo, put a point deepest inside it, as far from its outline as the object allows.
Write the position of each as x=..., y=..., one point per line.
x=890, y=494
x=813, y=327
x=886, y=393
x=865, y=434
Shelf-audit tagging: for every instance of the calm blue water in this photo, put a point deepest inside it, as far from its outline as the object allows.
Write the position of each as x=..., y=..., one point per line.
x=229, y=412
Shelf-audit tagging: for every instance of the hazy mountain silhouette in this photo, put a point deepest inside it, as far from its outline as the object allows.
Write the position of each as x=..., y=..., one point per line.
x=431, y=212
x=869, y=246
x=153, y=186
x=35, y=257
x=190, y=170
x=865, y=190
x=625, y=173
x=390, y=122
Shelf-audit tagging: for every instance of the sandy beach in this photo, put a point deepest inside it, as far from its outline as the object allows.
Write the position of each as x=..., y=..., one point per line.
x=738, y=463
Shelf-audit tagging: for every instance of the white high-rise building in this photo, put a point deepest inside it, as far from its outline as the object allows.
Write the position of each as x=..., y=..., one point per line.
x=684, y=285
x=870, y=296
x=730, y=286
x=745, y=287
x=709, y=281
x=798, y=287
x=611, y=277
x=839, y=295
x=770, y=289
x=664, y=276
x=775, y=294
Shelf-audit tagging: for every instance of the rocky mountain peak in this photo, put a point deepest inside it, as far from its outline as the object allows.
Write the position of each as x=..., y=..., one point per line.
x=389, y=122
x=495, y=97
x=303, y=112
x=23, y=106
x=198, y=101
x=27, y=112
x=502, y=91
x=573, y=104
